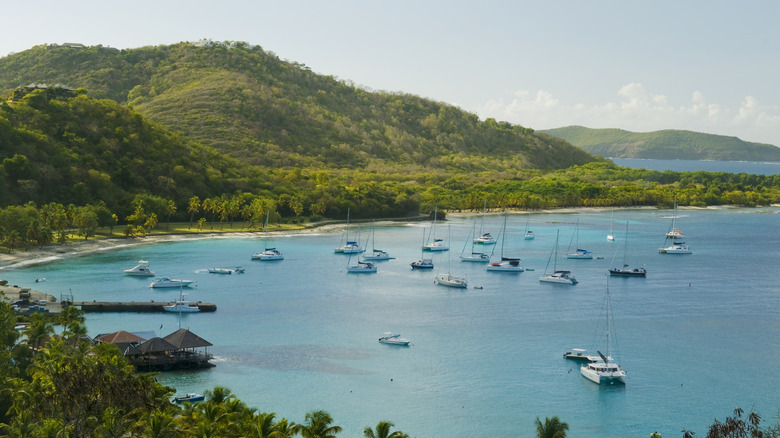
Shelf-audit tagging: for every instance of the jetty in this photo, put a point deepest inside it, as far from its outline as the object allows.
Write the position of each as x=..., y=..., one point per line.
x=138, y=307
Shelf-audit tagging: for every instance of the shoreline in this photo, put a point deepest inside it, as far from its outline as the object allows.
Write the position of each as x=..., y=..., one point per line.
x=77, y=248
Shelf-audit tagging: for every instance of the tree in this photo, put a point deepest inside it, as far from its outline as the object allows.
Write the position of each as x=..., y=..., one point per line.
x=86, y=220
x=552, y=428
x=318, y=425
x=383, y=431
x=193, y=207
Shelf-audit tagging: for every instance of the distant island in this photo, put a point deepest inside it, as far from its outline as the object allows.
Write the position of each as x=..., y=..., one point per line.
x=667, y=144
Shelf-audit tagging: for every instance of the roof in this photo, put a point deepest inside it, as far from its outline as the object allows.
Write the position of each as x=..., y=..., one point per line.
x=184, y=338
x=156, y=345
x=118, y=337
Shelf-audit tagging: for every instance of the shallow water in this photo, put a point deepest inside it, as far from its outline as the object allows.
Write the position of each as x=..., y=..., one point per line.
x=697, y=337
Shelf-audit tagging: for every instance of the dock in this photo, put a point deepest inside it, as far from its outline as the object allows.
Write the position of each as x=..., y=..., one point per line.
x=138, y=307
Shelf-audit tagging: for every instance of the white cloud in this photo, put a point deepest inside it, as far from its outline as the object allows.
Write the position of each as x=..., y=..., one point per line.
x=636, y=109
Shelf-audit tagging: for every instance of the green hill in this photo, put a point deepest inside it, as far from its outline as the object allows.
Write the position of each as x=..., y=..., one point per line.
x=251, y=105
x=72, y=149
x=666, y=144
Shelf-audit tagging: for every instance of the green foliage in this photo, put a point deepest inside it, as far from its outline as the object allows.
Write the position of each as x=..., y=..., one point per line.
x=667, y=144
x=552, y=428
x=248, y=103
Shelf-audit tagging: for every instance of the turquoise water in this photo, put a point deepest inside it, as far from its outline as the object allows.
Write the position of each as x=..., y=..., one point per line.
x=699, y=336
x=752, y=167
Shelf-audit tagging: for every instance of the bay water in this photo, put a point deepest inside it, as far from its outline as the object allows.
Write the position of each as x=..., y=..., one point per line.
x=750, y=167
x=698, y=337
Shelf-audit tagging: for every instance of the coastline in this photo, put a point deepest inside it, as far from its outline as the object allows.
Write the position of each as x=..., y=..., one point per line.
x=76, y=248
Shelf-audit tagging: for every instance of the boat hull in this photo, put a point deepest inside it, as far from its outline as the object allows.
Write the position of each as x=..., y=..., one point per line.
x=639, y=272
x=483, y=258
x=170, y=285
x=451, y=281
x=600, y=378
x=181, y=309
x=504, y=267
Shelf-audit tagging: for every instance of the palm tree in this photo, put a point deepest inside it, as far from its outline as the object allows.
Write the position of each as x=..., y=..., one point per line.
x=318, y=426
x=552, y=428
x=383, y=431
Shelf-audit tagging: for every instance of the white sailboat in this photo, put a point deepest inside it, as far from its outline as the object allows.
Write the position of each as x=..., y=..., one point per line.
x=579, y=253
x=625, y=270
x=606, y=370
x=475, y=256
x=611, y=235
x=376, y=254
x=182, y=305
x=435, y=244
x=529, y=235
x=423, y=263
x=351, y=246
x=556, y=276
x=449, y=279
x=673, y=232
x=506, y=264
x=268, y=254
x=484, y=238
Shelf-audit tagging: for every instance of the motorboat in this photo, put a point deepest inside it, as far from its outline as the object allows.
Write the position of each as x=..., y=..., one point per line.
x=422, y=264
x=236, y=270
x=577, y=354
x=394, y=339
x=485, y=239
x=676, y=248
x=182, y=306
x=605, y=369
x=268, y=254
x=557, y=276
x=560, y=277
x=165, y=282
x=450, y=280
x=139, y=270
x=190, y=397
x=362, y=267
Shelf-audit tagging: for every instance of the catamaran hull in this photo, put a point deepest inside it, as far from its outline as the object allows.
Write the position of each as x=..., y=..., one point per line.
x=603, y=378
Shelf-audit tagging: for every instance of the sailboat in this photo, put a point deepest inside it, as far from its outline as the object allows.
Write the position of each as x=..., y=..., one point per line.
x=182, y=305
x=376, y=254
x=352, y=246
x=449, y=279
x=269, y=254
x=479, y=257
x=435, y=244
x=579, y=253
x=423, y=263
x=507, y=264
x=484, y=238
x=529, y=235
x=558, y=277
x=674, y=233
x=605, y=370
x=362, y=267
x=611, y=235
x=625, y=271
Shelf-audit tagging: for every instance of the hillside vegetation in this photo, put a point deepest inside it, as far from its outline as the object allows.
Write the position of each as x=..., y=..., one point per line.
x=667, y=144
x=249, y=104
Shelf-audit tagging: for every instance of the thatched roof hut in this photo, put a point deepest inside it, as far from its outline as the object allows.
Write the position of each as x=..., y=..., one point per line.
x=120, y=337
x=156, y=345
x=184, y=338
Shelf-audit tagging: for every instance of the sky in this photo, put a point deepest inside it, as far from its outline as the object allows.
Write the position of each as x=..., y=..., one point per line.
x=709, y=66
